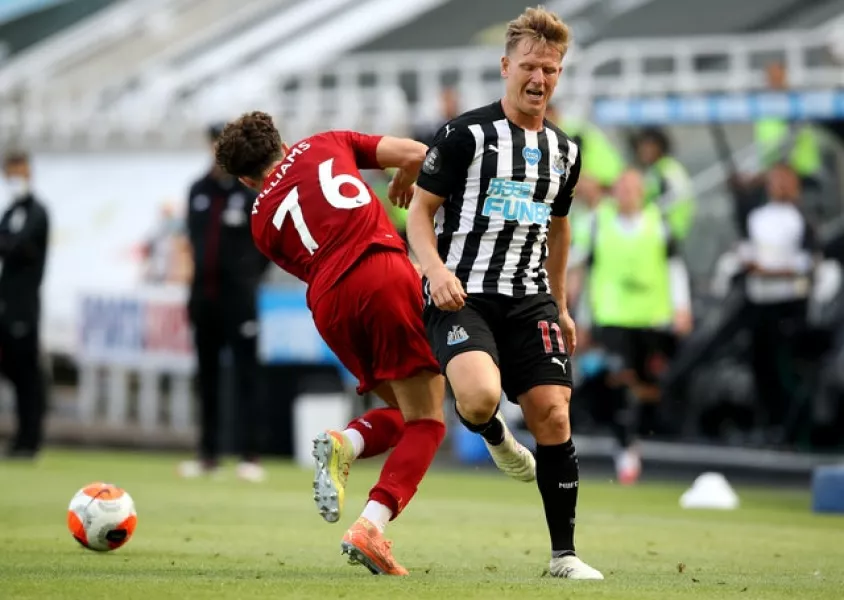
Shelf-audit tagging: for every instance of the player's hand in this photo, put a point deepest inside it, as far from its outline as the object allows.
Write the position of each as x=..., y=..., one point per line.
x=569, y=330
x=446, y=290
x=400, y=194
x=683, y=323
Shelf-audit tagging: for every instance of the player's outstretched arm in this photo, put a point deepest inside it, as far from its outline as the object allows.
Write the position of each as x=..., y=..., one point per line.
x=406, y=156
x=400, y=153
x=446, y=290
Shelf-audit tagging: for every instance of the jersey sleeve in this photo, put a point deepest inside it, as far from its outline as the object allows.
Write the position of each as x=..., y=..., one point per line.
x=364, y=146
x=447, y=161
x=562, y=203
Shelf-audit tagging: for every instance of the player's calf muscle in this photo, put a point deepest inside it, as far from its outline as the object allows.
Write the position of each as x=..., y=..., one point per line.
x=546, y=412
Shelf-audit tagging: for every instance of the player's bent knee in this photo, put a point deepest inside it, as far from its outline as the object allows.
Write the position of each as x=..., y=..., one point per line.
x=476, y=383
x=477, y=411
x=477, y=405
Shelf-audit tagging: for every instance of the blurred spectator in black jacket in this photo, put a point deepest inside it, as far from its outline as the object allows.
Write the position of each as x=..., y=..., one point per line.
x=223, y=311
x=24, y=233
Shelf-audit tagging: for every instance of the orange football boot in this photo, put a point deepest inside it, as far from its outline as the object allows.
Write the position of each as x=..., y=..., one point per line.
x=367, y=546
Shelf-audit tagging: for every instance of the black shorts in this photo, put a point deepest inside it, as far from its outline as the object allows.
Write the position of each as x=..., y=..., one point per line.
x=645, y=351
x=522, y=335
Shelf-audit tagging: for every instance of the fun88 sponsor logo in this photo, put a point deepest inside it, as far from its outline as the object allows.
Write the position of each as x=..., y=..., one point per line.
x=513, y=200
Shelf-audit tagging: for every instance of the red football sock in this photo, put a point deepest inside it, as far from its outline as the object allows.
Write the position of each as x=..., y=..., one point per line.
x=407, y=465
x=381, y=429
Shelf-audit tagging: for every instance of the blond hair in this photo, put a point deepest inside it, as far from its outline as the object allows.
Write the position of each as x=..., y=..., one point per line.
x=540, y=26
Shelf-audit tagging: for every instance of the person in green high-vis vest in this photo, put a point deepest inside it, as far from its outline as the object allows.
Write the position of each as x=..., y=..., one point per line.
x=781, y=141
x=797, y=145
x=639, y=301
x=667, y=182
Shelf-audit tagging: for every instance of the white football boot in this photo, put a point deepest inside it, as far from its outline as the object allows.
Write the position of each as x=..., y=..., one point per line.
x=571, y=567
x=511, y=457
x=251, y=472
x=192, y=469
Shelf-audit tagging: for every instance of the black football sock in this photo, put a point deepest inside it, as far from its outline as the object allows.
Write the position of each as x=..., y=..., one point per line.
x=492, y=431
x=557, y=476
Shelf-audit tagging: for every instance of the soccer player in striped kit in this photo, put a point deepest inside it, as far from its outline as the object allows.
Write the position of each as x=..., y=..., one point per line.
x=489, y=227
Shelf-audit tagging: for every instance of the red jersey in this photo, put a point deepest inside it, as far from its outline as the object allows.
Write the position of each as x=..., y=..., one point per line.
x=316, y=216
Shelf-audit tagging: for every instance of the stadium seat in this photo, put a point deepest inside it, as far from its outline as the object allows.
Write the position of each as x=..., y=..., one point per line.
x=828, y=489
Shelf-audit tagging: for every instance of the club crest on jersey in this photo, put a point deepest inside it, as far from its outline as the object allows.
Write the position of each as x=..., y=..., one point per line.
x=532, y=155
x=457, y=335
x=558, y=165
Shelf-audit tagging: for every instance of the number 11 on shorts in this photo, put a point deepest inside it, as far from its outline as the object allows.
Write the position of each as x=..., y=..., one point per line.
x=545, y=328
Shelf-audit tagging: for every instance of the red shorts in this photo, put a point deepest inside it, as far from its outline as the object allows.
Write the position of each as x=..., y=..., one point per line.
x=372, y=320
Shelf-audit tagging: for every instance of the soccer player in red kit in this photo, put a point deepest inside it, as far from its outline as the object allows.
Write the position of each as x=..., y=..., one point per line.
x=318, y=220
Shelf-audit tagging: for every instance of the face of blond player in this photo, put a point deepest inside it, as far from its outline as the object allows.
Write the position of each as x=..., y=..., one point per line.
x=531, y=72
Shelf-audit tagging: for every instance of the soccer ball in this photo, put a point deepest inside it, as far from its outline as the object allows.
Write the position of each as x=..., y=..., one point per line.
x=101, y=517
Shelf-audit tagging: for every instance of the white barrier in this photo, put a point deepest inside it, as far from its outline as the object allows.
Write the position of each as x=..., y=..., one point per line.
x=129, y=346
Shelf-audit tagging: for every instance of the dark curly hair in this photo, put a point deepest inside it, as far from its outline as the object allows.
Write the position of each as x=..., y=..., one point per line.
x=656, y=135
x=248, y=146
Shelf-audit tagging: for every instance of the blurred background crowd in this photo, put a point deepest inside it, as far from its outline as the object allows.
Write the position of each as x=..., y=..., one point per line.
x=718, y=127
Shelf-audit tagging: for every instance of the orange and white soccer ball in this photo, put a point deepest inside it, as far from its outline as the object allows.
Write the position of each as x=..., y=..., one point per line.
x=102, y=517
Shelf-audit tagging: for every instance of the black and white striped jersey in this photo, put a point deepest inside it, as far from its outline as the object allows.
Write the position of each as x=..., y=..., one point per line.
x=501, y=184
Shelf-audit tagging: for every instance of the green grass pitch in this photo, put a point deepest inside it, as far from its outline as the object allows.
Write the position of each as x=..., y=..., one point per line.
x=468, y=534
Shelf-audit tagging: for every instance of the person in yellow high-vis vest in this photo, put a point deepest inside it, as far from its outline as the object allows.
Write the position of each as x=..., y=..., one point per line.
x=667, y=182
x=781, y=141
x=795, y=144
x=639, y=301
